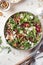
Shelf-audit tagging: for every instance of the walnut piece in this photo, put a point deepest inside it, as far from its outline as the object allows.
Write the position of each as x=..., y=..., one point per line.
x=1, y=14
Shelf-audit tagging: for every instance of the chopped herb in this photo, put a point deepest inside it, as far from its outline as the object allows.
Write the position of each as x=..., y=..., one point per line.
x=36, y=19
x=3, y=47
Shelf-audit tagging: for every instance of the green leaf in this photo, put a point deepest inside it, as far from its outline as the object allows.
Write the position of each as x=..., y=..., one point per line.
x=36, y=19
x=13, y=24
x=32, y=33
x=11, y=20
x=26, y=45
x=17, y=15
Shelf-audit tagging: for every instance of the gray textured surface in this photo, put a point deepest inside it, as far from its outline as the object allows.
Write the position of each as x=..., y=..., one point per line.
x=34, y=6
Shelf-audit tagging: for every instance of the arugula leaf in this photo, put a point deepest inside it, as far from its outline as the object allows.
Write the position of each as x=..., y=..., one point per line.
x=11, y=20
x=17, y=15
x=32, y=33
x=36, y=19
x=13, y=24
x=26, y=45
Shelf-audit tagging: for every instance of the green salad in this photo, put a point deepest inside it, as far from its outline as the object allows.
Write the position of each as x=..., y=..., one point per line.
x=23, y=30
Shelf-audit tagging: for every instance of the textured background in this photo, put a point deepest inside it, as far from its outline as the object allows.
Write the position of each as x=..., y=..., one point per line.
x=34, y=6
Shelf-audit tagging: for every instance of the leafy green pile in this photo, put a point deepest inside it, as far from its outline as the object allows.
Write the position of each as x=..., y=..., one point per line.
x=21, y=22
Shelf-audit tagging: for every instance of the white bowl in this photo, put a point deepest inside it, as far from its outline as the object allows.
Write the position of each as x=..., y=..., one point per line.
x=6, y=9
x=14, y=1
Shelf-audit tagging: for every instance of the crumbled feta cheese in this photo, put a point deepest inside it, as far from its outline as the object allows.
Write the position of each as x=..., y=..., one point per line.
x=7, y=37
x=31, y=17
x=30, y=28
x=29, y=42
x=21, y=15
x=27, y=32
x=14, y=32
x=26, y=28
x=14, y=36
x=32, y=44
x=21, y=31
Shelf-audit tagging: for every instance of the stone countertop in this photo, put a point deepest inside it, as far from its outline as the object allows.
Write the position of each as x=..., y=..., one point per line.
x=15, y=56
